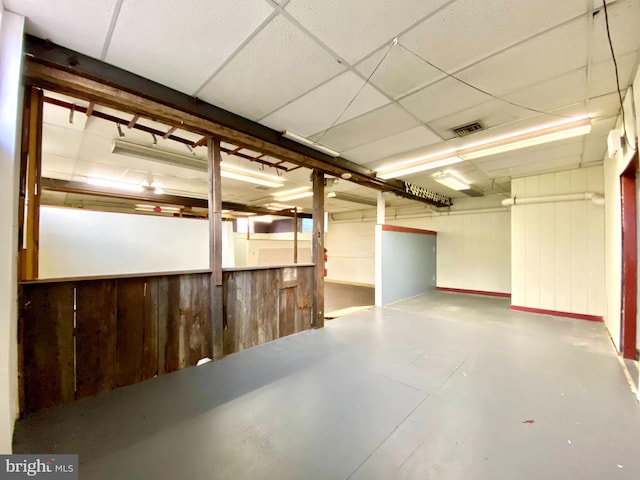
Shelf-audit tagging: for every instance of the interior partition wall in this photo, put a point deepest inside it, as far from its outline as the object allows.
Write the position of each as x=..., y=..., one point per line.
x=407, y=261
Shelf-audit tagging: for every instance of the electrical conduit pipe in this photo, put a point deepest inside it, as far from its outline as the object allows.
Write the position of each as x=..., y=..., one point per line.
x=596, y=198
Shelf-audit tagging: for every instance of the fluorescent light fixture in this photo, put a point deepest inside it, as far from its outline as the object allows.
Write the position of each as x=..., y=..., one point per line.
x=415, y=168
x=246, y=175
x=279, y=206
x=195, y=163
x=539, y=135
x=294, y=196
x=157, y=209
x=309, y=143
x=452, y=180
x=352, y=198
x=290, y=192
x=101, y=182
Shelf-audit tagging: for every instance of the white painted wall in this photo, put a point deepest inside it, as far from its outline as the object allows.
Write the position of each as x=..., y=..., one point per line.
x=76, y=242
x=351, y=252
x=269, y=249
x=473, y=246
x=11, y=32
x=558, y=248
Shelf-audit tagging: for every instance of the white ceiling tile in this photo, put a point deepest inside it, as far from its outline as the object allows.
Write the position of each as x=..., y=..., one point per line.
x=531, y=155
x=441, y=99
x=182, y=45
x=545, y=166
x=604, y=106
x=553, y=94
x=595, y=149
x=547, y=56
x=623, y=27
x=279, y=64
x=392, y=145
x=320, y=108
x=356, y=28
x=75, y=24
x=469, y=30
x=602, y=79
x=367, y=128
x=61, y=141
x=400, y=73
x=55, y=115
x=491, y=114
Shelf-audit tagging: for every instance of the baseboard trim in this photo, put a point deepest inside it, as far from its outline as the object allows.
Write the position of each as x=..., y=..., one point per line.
x=344, y=282
x=474, y=292
x=579, y=316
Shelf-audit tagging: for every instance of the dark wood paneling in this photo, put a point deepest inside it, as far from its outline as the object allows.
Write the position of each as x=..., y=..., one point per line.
x=130, y=330
x=265, y=304
x=150, y=330
x=304, y=297
x=195, y=319
x=95, y=337
x=46, y=318
x=266, y=308
x=287, y=318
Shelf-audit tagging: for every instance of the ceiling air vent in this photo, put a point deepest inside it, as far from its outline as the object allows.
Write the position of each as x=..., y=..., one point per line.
x=468, y=129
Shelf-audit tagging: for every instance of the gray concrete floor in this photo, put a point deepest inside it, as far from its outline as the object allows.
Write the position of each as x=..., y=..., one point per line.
x=442, y=386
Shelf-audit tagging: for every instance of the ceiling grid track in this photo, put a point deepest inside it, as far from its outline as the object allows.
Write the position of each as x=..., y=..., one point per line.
x=112, y=27
x=590, y=32
x=354, y=70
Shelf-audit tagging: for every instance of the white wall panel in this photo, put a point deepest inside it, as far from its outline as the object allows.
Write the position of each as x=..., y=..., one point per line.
x=76, y=243
x=562, y=244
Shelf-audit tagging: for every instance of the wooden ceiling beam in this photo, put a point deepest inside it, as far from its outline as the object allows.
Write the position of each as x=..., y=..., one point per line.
x=81, y=188
x=54, y=67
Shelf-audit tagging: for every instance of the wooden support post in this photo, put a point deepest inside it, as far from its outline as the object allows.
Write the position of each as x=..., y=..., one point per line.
x=295, y=235
x=215, y=247
x=30, y=189
x=317, y=243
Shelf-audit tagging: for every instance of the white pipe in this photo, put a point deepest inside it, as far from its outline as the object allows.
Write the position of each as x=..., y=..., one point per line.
x=596, y=198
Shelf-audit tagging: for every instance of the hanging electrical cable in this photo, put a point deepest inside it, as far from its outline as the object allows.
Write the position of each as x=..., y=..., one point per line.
x=450, y=75
x=366, y=82
x=615, y=66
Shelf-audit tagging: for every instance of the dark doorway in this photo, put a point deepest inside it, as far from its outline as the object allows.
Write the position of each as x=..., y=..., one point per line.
x=629, y=260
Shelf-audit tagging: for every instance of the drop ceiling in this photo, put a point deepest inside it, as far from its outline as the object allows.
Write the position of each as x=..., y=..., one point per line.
x=330, y=71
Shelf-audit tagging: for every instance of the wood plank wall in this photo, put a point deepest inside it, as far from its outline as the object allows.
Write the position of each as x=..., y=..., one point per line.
x=266, y=304
x=86, y=336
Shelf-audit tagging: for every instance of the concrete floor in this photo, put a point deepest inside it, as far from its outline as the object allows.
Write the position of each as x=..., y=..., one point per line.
x=442, y=386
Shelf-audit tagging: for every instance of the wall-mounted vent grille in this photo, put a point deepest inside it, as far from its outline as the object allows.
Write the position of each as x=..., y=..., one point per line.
x=468, y=129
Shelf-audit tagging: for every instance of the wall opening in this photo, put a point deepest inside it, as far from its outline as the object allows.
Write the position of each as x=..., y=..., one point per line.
x=629, y=261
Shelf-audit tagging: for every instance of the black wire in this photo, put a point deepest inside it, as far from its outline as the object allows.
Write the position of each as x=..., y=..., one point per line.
x=366, y=82
x=615, y=64
x=450, y=75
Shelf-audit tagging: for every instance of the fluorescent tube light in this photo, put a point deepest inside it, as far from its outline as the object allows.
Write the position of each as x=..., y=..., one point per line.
x=294, y=196
x=101, y=182
x=157, y=209
x=538, y=135
x=420, y=167
x=452, y=180
x=279, y=206
x=550, y=132
x=195, y=163
x=352, y=198
x=309, y=143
